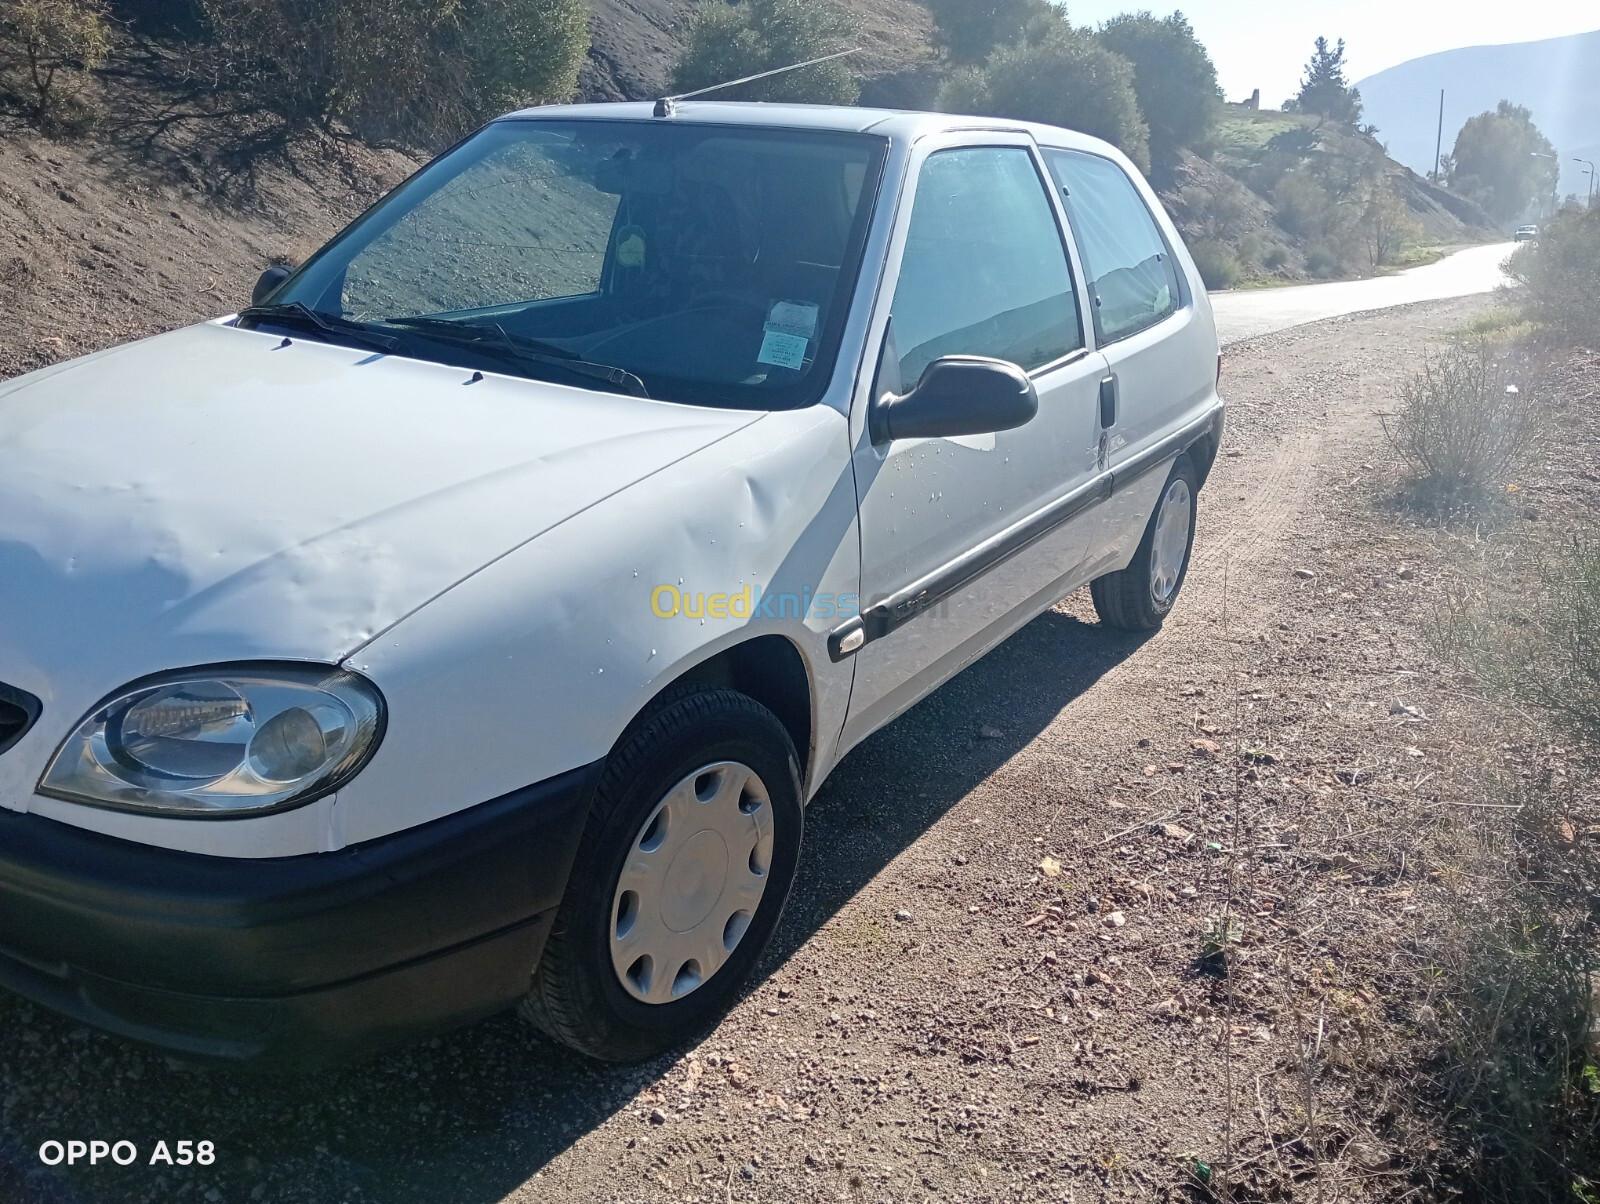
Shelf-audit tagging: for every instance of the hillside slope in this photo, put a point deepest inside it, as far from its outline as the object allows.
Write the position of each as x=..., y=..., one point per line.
x=635, y=43
x=155, y=223
x=1232, y=206
x=1553, y=77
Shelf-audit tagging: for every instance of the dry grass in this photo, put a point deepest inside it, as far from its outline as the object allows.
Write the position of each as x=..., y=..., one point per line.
x=1508, y=1071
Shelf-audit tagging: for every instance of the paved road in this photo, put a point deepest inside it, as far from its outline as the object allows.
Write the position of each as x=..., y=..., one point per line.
x=1245, y=315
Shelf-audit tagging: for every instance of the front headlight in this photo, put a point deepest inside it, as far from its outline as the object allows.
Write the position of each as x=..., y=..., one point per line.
x=217, y=743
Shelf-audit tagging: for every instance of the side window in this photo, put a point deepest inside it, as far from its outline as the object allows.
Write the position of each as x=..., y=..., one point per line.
x=985, y=271
x=1132, y=278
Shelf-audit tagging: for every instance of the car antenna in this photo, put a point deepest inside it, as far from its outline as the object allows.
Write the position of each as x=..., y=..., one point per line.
x=668, y=105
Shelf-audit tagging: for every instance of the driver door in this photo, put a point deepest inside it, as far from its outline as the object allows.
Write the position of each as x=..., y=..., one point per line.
x=964, y=539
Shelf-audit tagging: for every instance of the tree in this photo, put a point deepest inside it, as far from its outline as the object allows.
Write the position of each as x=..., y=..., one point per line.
x=410, y=70
x=1066, y=78
x=1503, y=162
x=50, y=41
x=730, y=41
x=969, y=30
x=1325, y=91
x=1386, y=226
x=1173, y=77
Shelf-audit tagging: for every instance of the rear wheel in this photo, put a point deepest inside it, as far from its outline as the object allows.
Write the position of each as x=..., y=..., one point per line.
x=1141, y=596
x=680, y=879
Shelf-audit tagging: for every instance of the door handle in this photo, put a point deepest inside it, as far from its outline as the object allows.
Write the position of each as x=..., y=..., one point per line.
x=1108, y=403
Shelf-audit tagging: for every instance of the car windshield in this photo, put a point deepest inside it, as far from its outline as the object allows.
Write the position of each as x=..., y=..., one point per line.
x=711, y=265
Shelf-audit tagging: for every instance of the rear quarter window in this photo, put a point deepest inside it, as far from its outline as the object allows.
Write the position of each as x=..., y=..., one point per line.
x=1133, y=281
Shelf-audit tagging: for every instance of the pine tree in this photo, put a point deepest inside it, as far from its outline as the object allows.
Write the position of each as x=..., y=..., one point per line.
x=1325, y=91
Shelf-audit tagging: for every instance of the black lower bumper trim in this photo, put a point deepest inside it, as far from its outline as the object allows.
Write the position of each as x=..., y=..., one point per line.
x=289, y=962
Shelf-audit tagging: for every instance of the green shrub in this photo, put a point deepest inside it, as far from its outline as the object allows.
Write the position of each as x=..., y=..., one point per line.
x=1067, y=79
x=46, y=49
x=1466, y=417
x=1277, y=257
x=1219, y=266
x=730, y=41
x=1560, y=276
x=408, y=70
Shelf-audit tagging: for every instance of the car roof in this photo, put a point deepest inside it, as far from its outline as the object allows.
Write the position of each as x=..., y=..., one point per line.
x=896, y=124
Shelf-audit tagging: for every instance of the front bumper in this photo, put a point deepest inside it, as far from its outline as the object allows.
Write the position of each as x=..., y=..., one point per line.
x=289, y=963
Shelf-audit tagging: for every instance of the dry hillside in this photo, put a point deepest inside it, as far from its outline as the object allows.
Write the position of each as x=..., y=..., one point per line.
x=636, y=42
x=165, y=213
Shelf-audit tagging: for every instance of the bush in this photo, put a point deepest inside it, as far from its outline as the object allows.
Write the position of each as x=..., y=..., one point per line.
x=1219, y=267
x=408, y=70
x=1466, y=417
x=1560, y=276
x=1323, y=260
x=1541, y=644
x=1066, y=79
x=51, y=44
x=730, y=41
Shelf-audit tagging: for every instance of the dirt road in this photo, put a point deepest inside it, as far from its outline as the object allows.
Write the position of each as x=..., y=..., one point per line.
x=1029, y=1032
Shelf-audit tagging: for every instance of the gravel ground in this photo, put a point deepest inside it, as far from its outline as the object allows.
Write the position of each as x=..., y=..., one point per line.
x=993, y=982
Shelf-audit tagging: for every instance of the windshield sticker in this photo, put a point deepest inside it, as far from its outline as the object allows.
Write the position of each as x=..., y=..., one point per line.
x=784, y=350
x=798, y=318
x=631, y=247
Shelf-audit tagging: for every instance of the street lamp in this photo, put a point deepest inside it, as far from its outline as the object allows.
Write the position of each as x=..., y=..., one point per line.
x=1591, y=179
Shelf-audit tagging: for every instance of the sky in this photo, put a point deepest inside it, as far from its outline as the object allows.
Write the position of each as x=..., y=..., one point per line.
x=1257, y=44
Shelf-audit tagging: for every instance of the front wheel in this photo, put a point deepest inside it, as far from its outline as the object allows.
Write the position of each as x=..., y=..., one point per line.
x=1141, y=596
x=681, y=876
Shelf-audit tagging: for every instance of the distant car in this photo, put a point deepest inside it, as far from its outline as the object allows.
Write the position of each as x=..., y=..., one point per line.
x=467, y=621
x=1527, y=234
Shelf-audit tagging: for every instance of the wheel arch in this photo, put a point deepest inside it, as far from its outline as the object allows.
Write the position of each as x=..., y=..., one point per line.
x=771, y=670
x=1203, y=451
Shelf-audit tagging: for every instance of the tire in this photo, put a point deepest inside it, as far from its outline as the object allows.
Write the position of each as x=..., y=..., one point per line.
x=670, y=791
x=1141, y=596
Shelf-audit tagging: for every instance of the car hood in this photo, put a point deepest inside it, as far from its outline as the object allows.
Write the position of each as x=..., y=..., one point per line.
x=219, y=494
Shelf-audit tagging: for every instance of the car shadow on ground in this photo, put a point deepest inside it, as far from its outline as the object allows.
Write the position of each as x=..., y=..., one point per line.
x=471, y=1116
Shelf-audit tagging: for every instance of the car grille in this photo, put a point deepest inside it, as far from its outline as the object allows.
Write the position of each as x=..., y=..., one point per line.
x=18, y=711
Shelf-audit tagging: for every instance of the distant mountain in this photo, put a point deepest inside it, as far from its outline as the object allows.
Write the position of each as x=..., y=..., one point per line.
x=1555, y=78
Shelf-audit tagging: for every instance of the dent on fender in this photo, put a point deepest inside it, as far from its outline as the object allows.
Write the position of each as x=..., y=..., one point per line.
x=575, y=607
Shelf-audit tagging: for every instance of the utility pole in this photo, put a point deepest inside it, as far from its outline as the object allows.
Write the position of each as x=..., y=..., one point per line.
x=1438, y=146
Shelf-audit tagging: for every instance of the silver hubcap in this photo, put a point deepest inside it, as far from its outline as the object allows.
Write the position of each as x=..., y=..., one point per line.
x=1171, y=545
x=692, y=882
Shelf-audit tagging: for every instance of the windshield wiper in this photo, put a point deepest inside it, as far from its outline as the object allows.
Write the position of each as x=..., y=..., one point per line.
x=495, y=340
x=292, y=313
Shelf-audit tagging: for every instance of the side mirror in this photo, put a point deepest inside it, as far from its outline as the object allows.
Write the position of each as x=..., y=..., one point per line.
x=958, y=395
x=268, y=283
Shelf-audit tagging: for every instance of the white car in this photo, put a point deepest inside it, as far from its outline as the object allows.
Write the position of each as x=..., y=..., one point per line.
x=467, y=623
